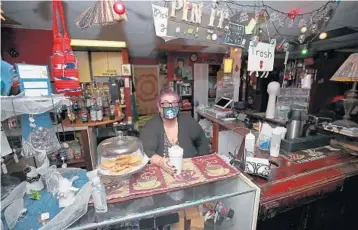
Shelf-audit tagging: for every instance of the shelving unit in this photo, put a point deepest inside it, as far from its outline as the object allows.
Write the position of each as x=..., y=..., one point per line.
x=185, y=95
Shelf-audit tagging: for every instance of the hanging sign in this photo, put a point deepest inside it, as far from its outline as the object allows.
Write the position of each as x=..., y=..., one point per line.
x=192, y=20
x=261, y=57
x=160, y=16
x=234, y=35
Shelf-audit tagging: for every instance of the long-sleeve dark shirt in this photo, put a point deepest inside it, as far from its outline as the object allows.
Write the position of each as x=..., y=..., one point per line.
x=191, y=137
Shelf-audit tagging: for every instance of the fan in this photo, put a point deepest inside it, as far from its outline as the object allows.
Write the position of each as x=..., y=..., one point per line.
x=101, y=14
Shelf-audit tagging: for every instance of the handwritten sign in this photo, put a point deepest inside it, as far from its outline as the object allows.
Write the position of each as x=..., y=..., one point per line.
x=234, y=35
x=261, y=57
x=160, y=15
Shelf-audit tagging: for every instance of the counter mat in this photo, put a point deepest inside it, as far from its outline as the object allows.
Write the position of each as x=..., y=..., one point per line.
x=153, y=180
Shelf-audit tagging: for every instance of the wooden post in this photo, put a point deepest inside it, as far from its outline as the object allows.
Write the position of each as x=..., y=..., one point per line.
x=235, y=54
x=127, y=90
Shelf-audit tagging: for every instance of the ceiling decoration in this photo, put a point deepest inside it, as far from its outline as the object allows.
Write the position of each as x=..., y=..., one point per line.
x=102, y=13
x=140, y=35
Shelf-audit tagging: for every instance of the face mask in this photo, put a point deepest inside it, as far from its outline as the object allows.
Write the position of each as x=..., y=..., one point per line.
x=170, y=112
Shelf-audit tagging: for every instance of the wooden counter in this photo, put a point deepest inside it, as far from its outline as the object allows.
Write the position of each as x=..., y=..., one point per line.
x=292, y=184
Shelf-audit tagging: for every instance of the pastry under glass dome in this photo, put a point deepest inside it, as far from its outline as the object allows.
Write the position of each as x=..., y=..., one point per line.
x=113, y=148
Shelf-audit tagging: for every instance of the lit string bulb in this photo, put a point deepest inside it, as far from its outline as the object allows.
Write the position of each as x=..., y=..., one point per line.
x=304, y=29
x=323, y=35
x=304, y=51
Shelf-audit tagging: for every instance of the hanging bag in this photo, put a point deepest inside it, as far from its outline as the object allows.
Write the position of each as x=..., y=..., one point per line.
x=63, y=61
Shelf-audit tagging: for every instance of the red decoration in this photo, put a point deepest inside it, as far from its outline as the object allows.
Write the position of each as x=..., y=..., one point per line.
x=190, y=6
x=119, y=7
x=292, y=14
x=65, y=79
x=261, y=14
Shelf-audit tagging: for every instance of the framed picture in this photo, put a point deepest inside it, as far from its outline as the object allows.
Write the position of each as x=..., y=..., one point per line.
x=126, y=70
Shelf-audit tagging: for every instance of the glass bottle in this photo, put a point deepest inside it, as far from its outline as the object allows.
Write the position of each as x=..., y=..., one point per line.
x=99, y=112
x=71, y=115
x=99, y=196
x=93, y=112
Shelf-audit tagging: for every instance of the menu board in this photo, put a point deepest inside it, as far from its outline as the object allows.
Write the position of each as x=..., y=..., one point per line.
x=235, y=35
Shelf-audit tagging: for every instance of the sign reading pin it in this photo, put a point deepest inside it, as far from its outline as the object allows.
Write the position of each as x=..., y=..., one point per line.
x=261, y=57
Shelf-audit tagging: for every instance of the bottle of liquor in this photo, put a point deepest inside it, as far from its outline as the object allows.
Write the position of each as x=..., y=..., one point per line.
x=93, y=112
x=118, y=109
x=84, y=114
x=112, y=114
x=71, y=115
x=99, y=112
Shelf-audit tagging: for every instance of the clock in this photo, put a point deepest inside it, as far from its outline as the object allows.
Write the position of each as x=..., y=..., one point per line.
x=193, y=57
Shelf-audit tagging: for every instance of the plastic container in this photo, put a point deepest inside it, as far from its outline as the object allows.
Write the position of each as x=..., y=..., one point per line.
x=275, y=142
x=249, y=145
x=99, y=196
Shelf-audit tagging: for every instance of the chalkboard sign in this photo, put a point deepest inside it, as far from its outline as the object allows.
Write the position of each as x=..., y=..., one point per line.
x=234, y=35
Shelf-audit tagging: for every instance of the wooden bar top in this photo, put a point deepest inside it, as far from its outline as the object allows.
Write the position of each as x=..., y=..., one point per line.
x=292, y=184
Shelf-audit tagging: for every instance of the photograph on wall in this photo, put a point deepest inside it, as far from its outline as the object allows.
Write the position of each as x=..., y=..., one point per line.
x=183, y=69
x=126, y=70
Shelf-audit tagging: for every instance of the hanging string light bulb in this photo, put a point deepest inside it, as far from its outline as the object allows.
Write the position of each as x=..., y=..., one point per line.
x=292, y=14
x=304, y=51
x=304, y=29
x=323, y=35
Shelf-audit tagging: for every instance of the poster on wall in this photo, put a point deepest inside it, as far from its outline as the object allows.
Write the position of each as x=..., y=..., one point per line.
x=201, y=21
x=183, y=70
x=261, y=57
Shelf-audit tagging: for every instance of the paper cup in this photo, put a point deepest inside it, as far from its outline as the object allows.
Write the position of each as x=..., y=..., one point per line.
x=176, y=157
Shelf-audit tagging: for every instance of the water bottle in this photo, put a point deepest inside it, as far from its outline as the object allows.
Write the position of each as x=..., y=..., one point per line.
x=99, y=196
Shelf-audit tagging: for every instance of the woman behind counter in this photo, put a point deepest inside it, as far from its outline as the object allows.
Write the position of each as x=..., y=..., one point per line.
x=169, y=128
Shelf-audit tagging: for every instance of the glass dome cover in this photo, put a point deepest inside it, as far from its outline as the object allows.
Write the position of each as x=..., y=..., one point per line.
x=119, y=145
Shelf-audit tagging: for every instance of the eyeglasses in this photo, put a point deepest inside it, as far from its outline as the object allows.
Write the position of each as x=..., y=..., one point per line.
x=169, y=104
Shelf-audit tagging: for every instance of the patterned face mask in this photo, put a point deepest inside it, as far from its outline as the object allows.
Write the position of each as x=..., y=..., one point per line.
x=170, y=112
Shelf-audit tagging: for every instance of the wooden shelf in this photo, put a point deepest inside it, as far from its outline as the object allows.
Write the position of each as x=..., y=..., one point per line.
x=74, y=163
x=105, y=121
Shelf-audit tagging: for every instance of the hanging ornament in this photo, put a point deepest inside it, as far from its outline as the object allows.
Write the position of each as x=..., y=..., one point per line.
x=257, y=14
x=286, y=46
x=290, y=23
x=254, y=41
x=273, y=17
x=119, y=7
x=292, y=14
x=314, y=28
x=261, y=14
x=302, y=23
x=301, y=38
x=280, y=21
x=244, y=17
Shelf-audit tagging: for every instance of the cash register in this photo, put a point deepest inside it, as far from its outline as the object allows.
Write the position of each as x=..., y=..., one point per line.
x=221, y=109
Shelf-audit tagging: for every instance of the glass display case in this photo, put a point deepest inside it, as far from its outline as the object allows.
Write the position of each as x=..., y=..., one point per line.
x=239, y=194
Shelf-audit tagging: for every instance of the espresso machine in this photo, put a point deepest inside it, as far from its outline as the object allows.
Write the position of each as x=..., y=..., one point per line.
x=301, y=132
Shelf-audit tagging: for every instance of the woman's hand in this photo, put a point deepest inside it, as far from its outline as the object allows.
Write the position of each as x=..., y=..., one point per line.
x=164, y=164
